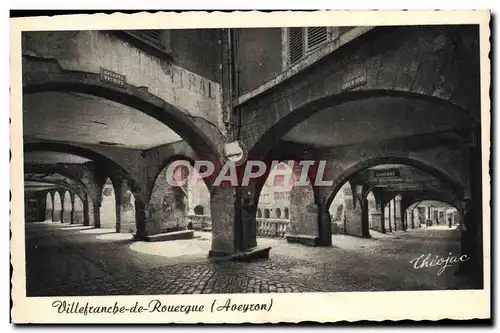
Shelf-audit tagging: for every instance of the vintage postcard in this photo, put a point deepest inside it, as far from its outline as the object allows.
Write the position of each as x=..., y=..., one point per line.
x=250, y=167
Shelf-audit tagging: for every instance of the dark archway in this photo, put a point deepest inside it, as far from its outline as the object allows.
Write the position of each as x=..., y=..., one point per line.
x=267, y=214
x=277, y=211
x=199, y=210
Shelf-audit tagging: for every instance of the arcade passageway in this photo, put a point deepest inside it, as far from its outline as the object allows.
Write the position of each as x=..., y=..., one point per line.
x=76, y=260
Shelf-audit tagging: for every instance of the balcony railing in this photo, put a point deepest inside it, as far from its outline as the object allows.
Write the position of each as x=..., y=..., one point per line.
x=273, y=228
x=200, y=222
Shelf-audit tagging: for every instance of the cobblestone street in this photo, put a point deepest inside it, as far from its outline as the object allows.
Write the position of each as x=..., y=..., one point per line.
x=75, y=260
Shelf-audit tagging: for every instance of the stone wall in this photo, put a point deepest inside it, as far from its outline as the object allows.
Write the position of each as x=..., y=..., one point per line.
x=167, y=207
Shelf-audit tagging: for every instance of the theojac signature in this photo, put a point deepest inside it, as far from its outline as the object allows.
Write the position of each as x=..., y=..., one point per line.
x=424, y=261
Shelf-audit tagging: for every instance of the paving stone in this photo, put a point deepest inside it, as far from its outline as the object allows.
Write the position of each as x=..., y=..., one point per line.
x=72, y=263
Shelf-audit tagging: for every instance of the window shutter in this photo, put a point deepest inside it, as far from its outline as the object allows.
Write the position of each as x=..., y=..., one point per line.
x=151, y=36
x=295, y=44
x=316, y=37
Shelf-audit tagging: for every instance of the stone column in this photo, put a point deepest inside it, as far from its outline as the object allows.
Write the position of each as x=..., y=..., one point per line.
x=304, y=226
x=97, y=213
x=118, y=205
x=303, y=218
x=48, y=210
x=222, y=206
x=247, y=222
x=127, y=209
x=72, y=211
x=392, y=225
x=86, y=219
x=377, y=224
x=56, y=213
x=398, y=214
x=378, y=217
x=356, y=216
x=141, y=219
x=471, y=216
x=325, y=225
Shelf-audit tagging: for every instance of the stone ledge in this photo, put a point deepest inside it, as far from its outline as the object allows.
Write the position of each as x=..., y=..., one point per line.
x=309, y=240
x=252, y=254
x=168, y=236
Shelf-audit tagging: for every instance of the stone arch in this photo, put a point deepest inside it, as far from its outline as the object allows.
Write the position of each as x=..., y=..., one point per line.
x=135, y=97
x=446, y=179
x=67, y=208
x=161, y=171
x=277, y=212
x=77, y=217
x=108, y=218
x=48, y=207
x=287, y=213
x=267, y=213
x=422, y=217
x=56, y=213
x=199, y=210
x=109, y=163
x=259, y=147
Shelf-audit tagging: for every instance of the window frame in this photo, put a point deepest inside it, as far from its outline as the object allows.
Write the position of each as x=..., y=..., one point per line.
x=332, y=33
x=163, y=51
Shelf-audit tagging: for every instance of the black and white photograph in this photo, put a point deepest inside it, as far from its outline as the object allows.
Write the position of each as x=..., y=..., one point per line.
x=291, y=159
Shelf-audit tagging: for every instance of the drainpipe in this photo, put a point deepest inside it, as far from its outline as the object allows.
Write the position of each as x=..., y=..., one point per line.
x=238, y=216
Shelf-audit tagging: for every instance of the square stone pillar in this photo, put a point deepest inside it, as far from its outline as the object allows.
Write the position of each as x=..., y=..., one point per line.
x=304, y=226
x=378, y=221
x=398, y=214
x=141, y=220
x=222, y=206
x=387, y=217
x=356, y=218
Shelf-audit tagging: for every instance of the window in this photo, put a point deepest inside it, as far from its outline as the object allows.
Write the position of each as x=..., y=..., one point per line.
x=287, y=214
x=278, y=212
x=156, y=42
x=279, y=180
x=298, y=43
x=199, y=210
x=266, y=213
x=150, y=36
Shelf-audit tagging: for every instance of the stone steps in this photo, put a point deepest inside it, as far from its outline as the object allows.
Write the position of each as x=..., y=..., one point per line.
x=168, y=236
